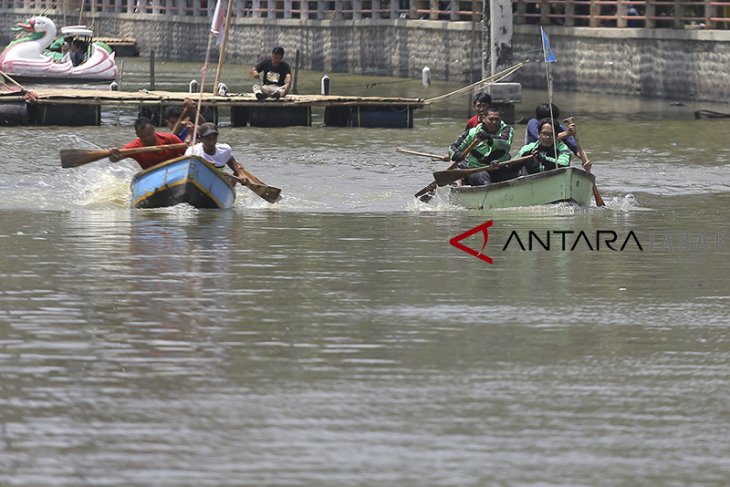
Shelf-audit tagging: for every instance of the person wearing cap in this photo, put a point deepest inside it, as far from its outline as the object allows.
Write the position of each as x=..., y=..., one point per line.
x=147, y=137
x=220, y=155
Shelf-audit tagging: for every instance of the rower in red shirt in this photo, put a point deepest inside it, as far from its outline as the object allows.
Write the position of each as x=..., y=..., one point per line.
x=147, y=137
x=482, y=101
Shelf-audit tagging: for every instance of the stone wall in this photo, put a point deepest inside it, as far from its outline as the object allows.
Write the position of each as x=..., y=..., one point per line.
x=368, y=46
x=678, y=64
x=663, y=63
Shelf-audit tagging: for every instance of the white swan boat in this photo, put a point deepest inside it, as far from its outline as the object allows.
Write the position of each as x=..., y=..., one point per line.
x=27, y=58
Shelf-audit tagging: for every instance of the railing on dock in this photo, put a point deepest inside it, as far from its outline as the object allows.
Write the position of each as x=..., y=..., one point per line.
x=454, y=10
x=672, y=14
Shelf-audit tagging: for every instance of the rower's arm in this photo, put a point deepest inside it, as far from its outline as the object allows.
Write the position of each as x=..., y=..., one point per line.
x=236, y=167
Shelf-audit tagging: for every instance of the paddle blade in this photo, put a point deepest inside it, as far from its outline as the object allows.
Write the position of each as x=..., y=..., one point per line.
x=269, y=193
x=597, y=197
x=443, y=178
x=79, y=157
x=426, y=193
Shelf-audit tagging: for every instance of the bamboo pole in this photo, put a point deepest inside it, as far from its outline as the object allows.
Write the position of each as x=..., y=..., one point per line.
x=222, y=54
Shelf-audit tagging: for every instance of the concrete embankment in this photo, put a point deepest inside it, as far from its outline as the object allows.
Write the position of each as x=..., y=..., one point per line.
x=673, y=64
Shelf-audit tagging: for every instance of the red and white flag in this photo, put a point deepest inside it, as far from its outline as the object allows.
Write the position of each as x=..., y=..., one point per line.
x=219, y=17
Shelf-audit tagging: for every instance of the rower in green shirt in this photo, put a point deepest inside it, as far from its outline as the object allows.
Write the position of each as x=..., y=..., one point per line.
x=547, y=154
x=496, y=140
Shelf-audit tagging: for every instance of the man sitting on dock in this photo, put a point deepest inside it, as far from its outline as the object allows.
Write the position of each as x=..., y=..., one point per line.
x=277, y=77
x=148, y=137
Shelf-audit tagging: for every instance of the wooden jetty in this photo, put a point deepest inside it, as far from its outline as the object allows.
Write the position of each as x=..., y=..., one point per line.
x=122, y=46
x=79, y=107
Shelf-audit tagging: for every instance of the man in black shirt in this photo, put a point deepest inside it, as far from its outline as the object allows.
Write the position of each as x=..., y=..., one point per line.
x=276, y=76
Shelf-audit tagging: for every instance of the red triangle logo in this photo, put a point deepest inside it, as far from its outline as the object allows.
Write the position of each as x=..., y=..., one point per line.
x=484, y=228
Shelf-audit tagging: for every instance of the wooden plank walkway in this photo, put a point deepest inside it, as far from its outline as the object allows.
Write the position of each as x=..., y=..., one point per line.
x=65, y=106
x=122, y=46
x=107, y=97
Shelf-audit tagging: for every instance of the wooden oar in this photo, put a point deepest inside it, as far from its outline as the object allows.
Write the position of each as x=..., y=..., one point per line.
x=435, y=157
x=442, y=178
x=426, y=193
x=12, y=80
x=79, y=157
x=269, y=193
x=180, y=119
x=584, y=157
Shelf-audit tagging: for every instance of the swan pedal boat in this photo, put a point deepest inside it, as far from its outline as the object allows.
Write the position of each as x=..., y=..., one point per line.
x=567, y=184
x=186, y=179
x=29, y=58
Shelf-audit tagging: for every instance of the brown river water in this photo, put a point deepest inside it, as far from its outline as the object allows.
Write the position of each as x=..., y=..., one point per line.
x=338, y=339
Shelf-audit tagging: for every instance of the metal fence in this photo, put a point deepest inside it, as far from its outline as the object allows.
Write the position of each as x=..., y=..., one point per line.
x=454, y=10
x=672, y=14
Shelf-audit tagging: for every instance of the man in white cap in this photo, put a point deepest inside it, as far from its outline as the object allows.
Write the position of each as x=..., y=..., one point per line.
x=219, y=155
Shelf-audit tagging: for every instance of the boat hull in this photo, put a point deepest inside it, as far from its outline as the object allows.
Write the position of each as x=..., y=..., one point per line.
x=100, y=67
x=567, y=184
x=187, y=179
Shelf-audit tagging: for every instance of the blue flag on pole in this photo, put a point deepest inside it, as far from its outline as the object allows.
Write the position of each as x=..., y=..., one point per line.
x=547, y=52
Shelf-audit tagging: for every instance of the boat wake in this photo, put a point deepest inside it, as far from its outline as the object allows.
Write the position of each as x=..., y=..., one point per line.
x=622, y=203
x=108, y=189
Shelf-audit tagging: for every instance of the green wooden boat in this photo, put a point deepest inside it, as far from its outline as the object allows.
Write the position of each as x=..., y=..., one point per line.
x=568, y=184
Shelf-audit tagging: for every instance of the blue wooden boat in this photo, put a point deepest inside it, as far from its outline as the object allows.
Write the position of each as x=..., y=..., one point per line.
x=187, y=179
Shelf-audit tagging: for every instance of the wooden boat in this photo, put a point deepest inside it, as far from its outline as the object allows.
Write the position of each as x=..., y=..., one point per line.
x=186, y=179
x=567, y=184
x=711, y=114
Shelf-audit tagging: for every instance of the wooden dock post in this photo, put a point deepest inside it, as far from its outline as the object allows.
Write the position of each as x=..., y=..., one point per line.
x=69, y=115
x=152, y=70
x=283, y=116
x=296, y=73
x=371, y=116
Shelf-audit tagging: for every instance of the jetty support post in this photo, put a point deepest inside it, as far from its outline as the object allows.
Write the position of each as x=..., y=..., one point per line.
x=497, y=55
x=152, y=70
